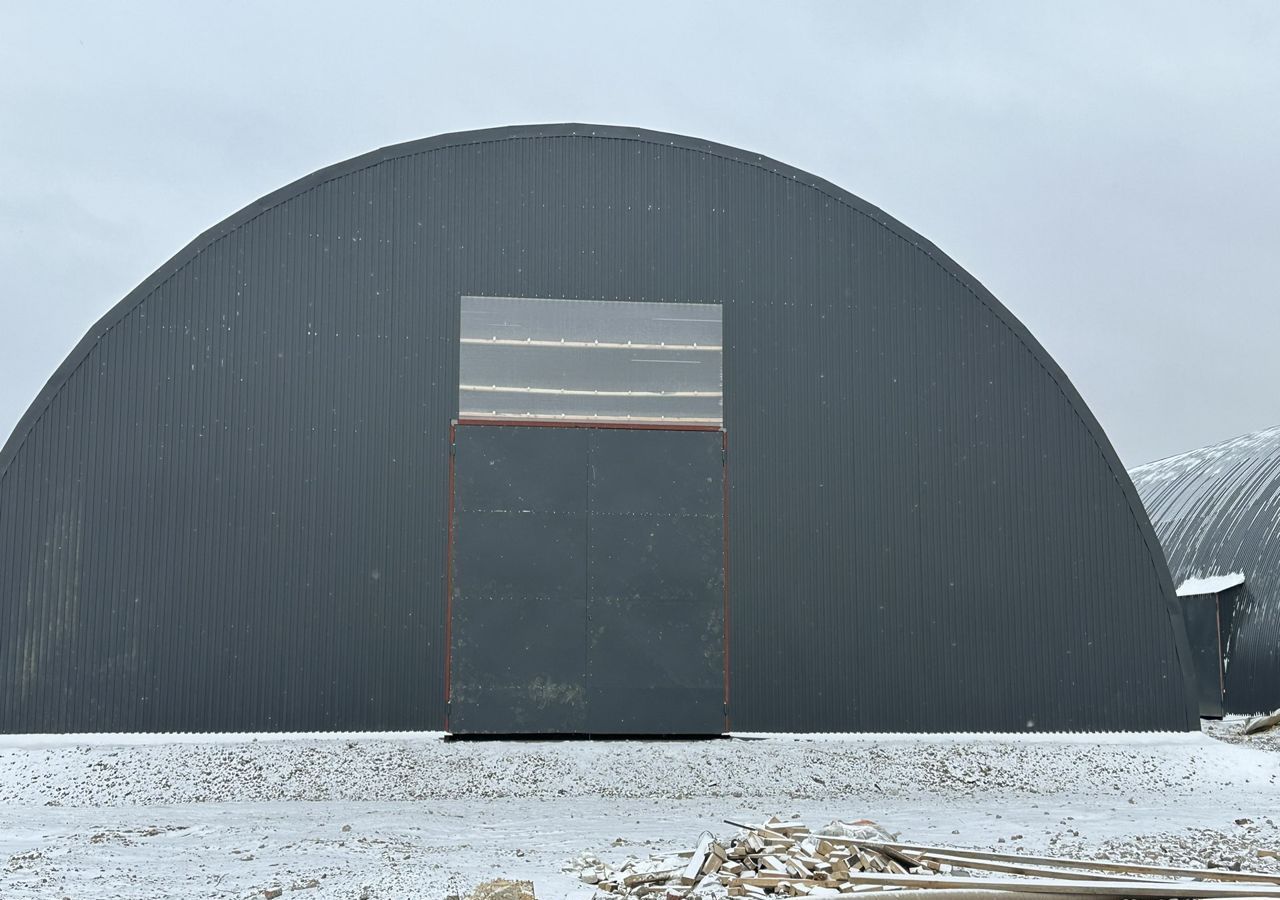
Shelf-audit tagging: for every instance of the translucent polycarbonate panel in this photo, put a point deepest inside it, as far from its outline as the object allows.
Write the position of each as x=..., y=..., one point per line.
x=590, y=360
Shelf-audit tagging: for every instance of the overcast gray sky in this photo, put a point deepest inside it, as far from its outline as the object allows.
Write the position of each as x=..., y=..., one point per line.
x=1110, y=170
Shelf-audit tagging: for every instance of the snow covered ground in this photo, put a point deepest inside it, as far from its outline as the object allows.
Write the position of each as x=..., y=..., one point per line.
x=381, y=816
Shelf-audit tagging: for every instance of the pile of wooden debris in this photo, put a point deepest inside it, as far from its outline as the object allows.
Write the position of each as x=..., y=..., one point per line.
x=787, y=859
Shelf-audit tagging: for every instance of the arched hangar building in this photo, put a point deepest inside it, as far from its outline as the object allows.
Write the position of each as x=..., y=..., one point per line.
x=1217, y=513
x=573, y=429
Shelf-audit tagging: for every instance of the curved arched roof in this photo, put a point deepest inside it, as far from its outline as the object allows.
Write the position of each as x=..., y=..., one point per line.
x=986, y=474
x=1217, y=511
x=439, y=142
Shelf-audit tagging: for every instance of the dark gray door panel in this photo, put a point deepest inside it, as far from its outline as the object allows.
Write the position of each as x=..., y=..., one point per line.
x=655, y=642
x=1200, y=613
x=499, y=467
x=519, y=667
x=588, y=581
x=644, y=655
x=655, y=588
x=534, y=708
x=518, y=654
x=657, y=557
x=500, y=555
x=510, y=644
x=518, y=648
x=668, y=473
x=656, y=710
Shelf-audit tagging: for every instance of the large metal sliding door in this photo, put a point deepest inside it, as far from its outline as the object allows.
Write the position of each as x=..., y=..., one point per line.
x=587, y=570
x=518, y=646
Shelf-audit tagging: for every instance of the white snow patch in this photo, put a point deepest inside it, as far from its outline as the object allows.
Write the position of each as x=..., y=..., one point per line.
x=1210, y=584
x=983, y=737
x=392, y=816
x=131, y=739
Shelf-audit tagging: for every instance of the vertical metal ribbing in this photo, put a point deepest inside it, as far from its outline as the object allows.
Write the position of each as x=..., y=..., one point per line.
x=868, y=388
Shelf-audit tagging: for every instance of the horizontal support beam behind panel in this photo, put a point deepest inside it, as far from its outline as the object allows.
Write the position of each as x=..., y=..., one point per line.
x=579, y=392
x=592, y=345
x=474, y=417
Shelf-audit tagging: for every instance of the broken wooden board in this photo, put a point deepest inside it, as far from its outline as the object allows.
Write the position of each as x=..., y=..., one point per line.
x=692, y=871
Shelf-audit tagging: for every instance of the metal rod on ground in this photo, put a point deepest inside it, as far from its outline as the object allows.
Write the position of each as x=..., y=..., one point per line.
x=1181, y=890
x=1102, y=865
x=987, y=865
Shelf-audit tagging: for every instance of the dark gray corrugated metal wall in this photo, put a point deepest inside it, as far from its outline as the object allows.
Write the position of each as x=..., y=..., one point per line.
x=227, y=511
x=1217, y=510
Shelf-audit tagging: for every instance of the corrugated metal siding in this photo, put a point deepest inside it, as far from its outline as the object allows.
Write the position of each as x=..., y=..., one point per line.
x=1217, y=510
x=228, y=510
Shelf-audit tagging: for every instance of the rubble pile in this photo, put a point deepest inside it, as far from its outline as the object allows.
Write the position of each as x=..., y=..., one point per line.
x=787, y=859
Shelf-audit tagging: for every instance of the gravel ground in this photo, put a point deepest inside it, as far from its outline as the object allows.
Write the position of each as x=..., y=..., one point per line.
x=420, y=816
x=432, y=768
